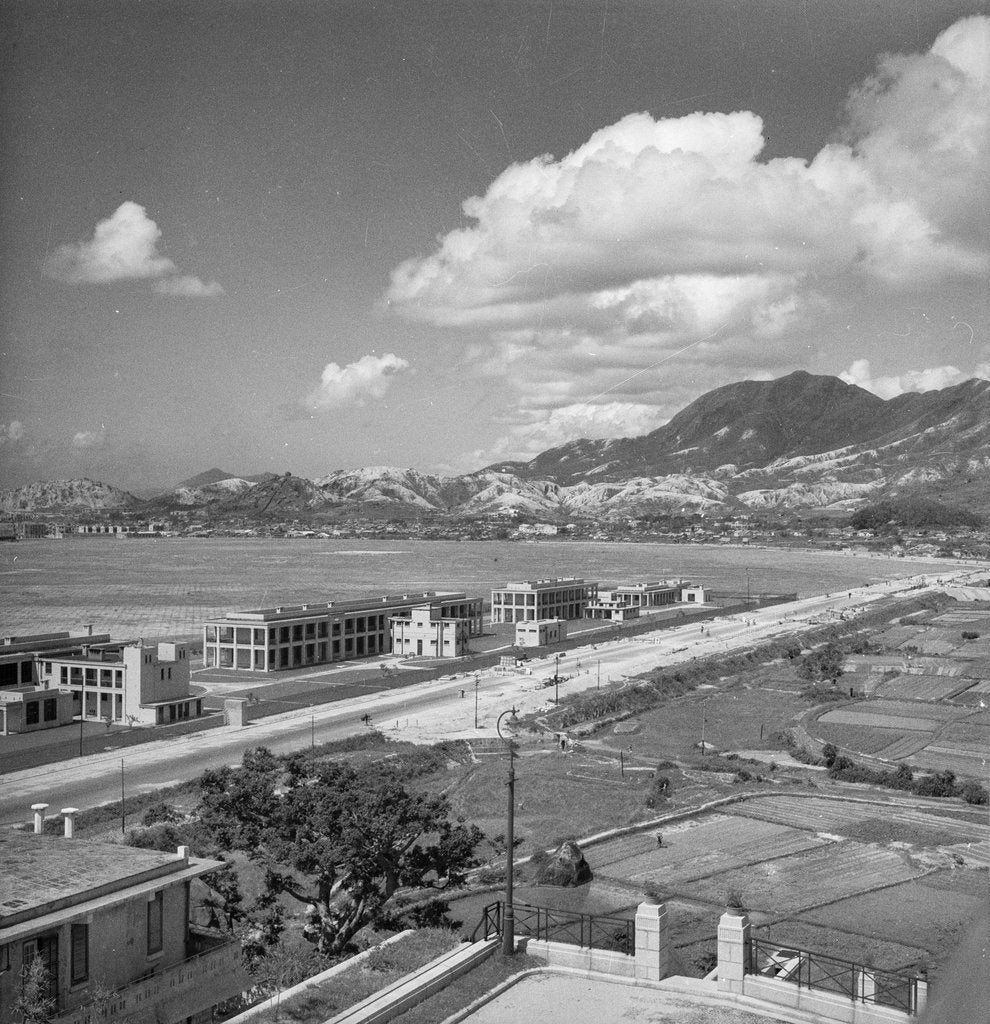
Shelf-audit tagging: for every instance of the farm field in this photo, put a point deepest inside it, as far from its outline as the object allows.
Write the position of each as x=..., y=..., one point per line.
x=947, y=900
x=827, y=873
x=920, y=687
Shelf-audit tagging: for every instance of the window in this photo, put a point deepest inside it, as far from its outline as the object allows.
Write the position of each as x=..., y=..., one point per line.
x=79, y=959
x=155, y=907
x=31, y=713
x=4, y=958
x=50, y=709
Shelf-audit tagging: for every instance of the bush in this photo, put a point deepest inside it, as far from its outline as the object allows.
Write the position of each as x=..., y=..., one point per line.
x=974, y=793
x=968, y=634
x=659, y=790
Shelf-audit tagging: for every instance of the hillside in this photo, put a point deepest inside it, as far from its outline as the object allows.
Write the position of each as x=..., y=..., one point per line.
x=802, y=441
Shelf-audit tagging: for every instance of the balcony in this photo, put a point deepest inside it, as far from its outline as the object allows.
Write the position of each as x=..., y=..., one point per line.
x=214, y=973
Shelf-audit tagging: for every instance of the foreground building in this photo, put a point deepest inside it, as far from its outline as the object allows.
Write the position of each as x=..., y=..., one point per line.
x=427, y=632
x=109, y=921
x=323, y=633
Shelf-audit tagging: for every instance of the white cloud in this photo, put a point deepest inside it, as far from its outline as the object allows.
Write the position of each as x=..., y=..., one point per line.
x=662, y=252
x=188, y=286
x=124, y=247
x=355, y=384
x=11, y=432
x=90, y=438
x=934, y=378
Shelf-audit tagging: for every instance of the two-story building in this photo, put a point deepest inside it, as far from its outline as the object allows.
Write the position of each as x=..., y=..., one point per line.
x=535, y=600
x=138, y=682
x=425, y=631
x=322, y=633
x=109, y=923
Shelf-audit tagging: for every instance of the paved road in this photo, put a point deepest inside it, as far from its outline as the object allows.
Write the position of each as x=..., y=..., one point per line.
x=425, y=712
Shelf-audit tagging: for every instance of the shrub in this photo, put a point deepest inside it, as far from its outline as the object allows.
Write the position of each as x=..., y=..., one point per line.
x=968, y=634
x=974, y=793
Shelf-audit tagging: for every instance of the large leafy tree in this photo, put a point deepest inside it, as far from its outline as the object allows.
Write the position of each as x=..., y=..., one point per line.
x=341, y=841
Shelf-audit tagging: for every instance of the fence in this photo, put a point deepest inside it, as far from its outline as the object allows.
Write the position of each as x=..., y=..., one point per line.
x=830, y=974
x=585, y=930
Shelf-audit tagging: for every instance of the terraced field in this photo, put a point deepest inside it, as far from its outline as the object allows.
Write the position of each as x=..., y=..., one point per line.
x=837, y=816
x=698, y=848
x=866, y=738
x=814, y=877
x=919, y=687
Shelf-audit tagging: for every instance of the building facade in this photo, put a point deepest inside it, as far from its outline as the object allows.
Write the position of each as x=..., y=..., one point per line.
x=19, y=655
x=540, y=633
x=30, y=708
x=535, y=600
x=135, y=682
x=288, y=637
x=110, y=921
x=426, y=633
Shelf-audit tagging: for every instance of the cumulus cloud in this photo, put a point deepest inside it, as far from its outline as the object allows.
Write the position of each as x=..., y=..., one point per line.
x=934, y=378
x=355, y=384
x=89, y=438
x=11, y=433
x=124, y=247
x=189, y=286
x=671, y=236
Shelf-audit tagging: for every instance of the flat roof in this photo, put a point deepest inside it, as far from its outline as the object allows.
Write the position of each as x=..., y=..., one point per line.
x=43, y=873
x=315, y=608
x=562, y=581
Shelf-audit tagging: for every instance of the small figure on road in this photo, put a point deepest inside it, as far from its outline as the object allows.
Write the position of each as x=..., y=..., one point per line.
x=659, y=840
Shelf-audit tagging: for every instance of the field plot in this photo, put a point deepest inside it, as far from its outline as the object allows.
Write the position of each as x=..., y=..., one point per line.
x=815, y=877
x=878, y=720
x=920, y=687
x=866, y=738
x=971, y=764
x=843, y=817
x=946, y=901
x=697, y=848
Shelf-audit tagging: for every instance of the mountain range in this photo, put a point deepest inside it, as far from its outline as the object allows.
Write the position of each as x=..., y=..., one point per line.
x=801, y=441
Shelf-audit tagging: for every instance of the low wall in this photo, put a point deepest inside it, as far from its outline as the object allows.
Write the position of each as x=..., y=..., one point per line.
x=825, y=1004
x=580, y=958
x=407, y=992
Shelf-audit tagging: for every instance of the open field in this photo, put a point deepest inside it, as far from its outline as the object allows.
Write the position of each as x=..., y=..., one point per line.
x=168, y=586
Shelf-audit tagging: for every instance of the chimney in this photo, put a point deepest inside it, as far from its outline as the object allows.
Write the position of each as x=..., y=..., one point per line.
x=70, y=820
x=182, y=853
x=39, y=817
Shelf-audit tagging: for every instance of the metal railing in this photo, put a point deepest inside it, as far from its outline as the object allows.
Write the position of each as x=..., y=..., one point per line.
x=808, y=969
x=590, y=931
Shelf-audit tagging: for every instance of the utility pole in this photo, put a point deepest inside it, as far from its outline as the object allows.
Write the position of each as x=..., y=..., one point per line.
x=82, y=712
x=556, y=679
x=509, y=923
x=598, y=684
x=477, y=677
x=123, y=812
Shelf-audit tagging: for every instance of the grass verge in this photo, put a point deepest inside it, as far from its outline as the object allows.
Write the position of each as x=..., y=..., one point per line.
x=460, y=993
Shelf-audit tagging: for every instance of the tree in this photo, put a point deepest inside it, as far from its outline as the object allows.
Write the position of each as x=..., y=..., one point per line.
x=34, y=1004
x=825, y=663
x=339, y=842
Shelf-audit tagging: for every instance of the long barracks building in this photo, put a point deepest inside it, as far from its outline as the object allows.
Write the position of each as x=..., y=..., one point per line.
x=322, y=633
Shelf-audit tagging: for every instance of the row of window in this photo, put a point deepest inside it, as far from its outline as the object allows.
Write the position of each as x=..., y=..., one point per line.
x=73, y=675
x=45, y=947
x=35, y=709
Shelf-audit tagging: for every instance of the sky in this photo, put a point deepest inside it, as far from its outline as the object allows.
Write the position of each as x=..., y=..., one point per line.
x=309, y=236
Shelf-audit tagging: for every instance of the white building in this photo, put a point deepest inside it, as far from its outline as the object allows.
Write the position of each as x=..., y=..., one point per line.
x=426, y=632
x=540, y=633
x=535, y=600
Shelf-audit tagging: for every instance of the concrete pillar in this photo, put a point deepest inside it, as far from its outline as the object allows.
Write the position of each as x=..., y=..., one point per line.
x=69, y=813
x=182, y=852
x=921, y=1003
x=39, y=817
x=866, y=986
x=652, y=942
x=733, y=951
x=235, y=711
